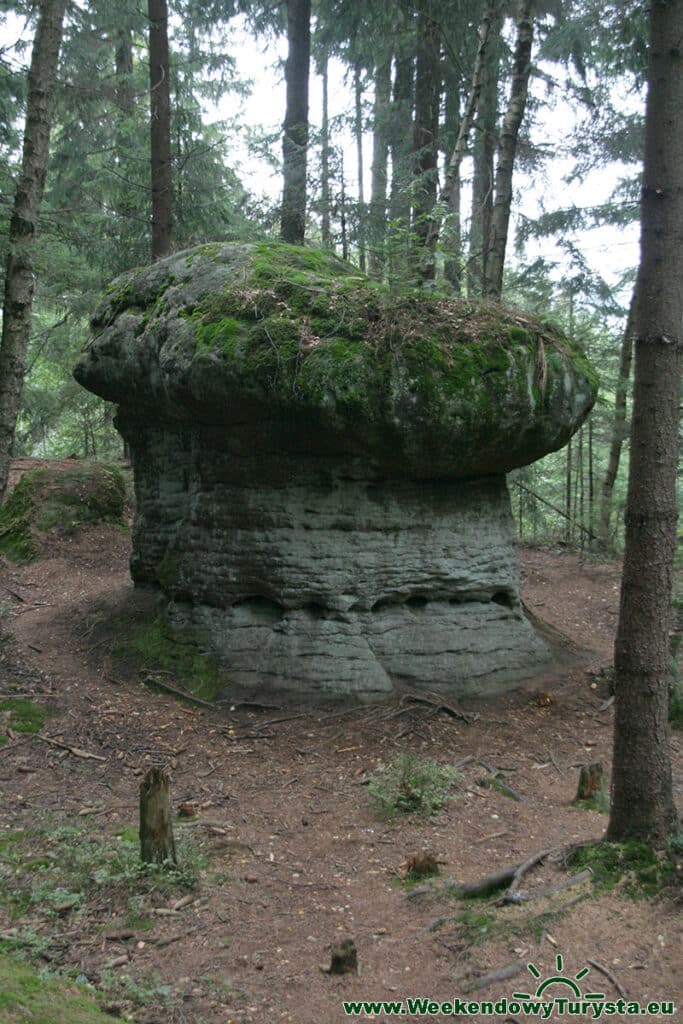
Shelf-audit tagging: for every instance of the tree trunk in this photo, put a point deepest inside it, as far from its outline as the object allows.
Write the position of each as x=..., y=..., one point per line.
x=399, y=202
x=295, y=128
x=358, y=131
x=157, y=845
x=568, y=495
x=19, y=279
x=160, y=128
x=380, y=154
x=425, y=136
x=325, y=160
x=483, y=152
x=452, y=241
x=619, y=426
x=500, y=216
x=642, y=801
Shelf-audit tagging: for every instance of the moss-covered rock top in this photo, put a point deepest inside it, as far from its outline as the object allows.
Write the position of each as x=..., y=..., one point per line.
x=58, y=499
x=302, y=350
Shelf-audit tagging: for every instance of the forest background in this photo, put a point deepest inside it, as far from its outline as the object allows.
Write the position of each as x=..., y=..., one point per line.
x=391, y=106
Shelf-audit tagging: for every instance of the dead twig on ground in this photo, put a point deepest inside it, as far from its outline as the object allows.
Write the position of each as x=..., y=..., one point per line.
x=176, y=691
x=501, y=974
x=438, y=702
x=513, y=895
x=608, y=974
x=76, y=751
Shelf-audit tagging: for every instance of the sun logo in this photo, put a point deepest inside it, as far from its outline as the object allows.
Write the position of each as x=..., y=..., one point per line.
x=558, y=979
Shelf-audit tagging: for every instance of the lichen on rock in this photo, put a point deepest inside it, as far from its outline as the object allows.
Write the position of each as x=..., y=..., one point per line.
x=320, y=463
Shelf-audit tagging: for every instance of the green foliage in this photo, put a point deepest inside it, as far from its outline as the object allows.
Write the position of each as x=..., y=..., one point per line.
x=25, y=995
x=476, y=926
x=16, y=513
x=69, y=867
x=66, y=499
x=637, y=868
x=159, y=647
x=412, y=785
x=24, y=715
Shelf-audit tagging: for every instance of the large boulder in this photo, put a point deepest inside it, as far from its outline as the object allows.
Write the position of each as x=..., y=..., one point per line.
x=319, y=464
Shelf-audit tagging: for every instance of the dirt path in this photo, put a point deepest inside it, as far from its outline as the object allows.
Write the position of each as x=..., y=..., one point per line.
x=295, y=854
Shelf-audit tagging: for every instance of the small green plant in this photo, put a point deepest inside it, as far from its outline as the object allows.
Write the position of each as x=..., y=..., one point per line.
x=412, y=785
x=66, y=867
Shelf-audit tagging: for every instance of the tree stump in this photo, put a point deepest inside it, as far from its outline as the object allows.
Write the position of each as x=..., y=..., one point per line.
x=344, y=958
x=157, y=845
x=591, y=782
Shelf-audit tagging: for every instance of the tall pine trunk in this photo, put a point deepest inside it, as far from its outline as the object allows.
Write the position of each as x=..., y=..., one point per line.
x=358, y=132
x=425, y=139
x=619, y=425
x=325, y=159
x=19, y=279
x=401, y=176
x=160, y=128
x=483, y=152
x=500, y=215
x=642, y=798
x=295, y=128
x=380, y=156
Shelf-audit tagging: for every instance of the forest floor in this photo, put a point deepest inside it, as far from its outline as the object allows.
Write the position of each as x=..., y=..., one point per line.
x=287, y=853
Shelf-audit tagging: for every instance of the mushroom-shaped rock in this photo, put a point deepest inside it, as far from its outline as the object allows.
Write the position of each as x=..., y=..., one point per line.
x=319, y=464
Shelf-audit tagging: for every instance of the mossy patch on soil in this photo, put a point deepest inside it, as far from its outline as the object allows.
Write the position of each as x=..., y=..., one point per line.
x=157, y=646
x=635, y=867
x=59, y=499
x=24, y=715
x=25, y=995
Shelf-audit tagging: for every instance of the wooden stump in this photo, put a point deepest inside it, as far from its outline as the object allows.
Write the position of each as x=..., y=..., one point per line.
x=156, y=828
x=344, y=958
x=591, y=782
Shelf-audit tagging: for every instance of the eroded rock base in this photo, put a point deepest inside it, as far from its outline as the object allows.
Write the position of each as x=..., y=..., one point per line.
x=310, y=573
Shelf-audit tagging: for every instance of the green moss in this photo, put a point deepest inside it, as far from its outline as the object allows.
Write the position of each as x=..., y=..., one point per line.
x=24, y=715
x=25, y=995
x=639, y=869
x=16, y=514
x=63, y=498
x=72, y=498
x=222, y=335
x=159, y=647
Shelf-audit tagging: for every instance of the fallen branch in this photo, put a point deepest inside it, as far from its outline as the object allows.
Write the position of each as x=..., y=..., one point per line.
x=488, y=883
x=608, y=974
x=512, y=895
x=582, y=876
x=76, y=751
x=437, y=702
x=177, y=692
x=501, y=974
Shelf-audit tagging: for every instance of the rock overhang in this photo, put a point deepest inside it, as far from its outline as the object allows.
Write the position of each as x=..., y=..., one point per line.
x=298, y=344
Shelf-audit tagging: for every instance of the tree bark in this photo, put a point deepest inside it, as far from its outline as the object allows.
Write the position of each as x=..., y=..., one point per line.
x=160, y=128
x=380, y=155
x=642, y=800
x=425, y=136
x=500, y=216
x=358, y=131
x=325, y=160
x=450, y=193
x=295, y=128
x=19, y=279
x=483, y=152
x=619, y=425
x=399, y=202
x=452, y=241
x=157, y=845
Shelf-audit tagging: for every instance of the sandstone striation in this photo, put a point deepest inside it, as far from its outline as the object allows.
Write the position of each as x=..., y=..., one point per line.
x=320, y=465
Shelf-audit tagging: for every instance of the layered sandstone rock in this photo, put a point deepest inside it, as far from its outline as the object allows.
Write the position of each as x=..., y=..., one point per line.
x=320, y=465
